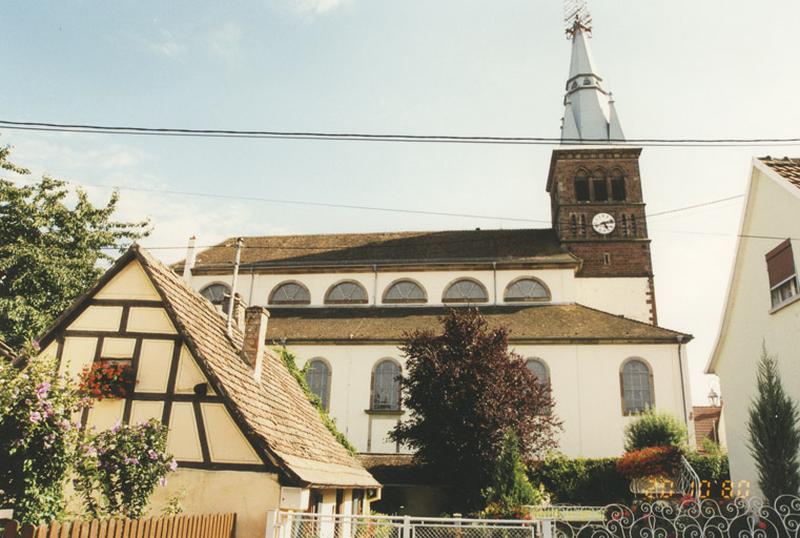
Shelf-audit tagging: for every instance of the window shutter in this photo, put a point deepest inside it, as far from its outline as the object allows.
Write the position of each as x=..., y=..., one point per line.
x=780, y=263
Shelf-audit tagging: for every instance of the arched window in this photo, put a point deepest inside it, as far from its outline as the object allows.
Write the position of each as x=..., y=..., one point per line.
x=618, y=193
x=582, y=186
x=405, y=291
x=600, y=186
x=526, y=289
x=386, y=386
x=539, y=369
x=347, y=292
x=637, y=387
x=465, y=290
x=318, y=377
x=290, y=293
x=219, y=295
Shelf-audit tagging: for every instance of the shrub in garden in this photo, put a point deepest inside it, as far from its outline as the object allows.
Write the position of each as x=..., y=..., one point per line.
x=581, y=480
x=120, y=468
x=37, y=438
x=774, y=435
x=510, y=488
x=651, y=461
x=652, y=428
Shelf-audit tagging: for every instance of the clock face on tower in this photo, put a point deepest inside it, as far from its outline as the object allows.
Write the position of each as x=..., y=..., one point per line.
x=603, y=223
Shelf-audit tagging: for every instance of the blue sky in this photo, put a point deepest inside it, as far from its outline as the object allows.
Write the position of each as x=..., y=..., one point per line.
x=678, y=68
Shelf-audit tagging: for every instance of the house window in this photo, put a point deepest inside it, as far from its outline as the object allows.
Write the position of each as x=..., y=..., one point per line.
x=348, y=292
x=386, y=386
x=525, y=290
x=465, y=290
x=617, y=186
x=290, y=293
x=637, y=387
x=218, y=294
x=318, y=377
x=405, y=291
x=782, y=273
x=539, y=369
x=582, y=187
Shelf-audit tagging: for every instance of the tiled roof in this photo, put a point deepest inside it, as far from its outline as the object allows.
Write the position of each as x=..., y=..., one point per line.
x=787, y=167
x=396, y=247
x=706, y=420
x=536, y=323
x=274, y=407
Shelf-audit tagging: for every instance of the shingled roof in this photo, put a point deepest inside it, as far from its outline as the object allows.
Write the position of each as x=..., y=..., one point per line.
x=788, y=168
x=273, y=410
x=406, y=248
x=552, y=323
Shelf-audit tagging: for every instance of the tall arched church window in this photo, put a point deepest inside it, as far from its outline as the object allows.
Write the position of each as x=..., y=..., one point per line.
x=219, y=295
x=526, y=289
x=600, y=186
x=618, y=193
x=539, y=369
x=405, y=291
x=465, y=290
x=318, y=377
x=347, y=292
x=582, y=187
x=637, y=387
x=290, y=293
x=386, y=386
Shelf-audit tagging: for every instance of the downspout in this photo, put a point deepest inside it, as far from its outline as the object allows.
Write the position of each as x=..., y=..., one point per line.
x=683, y=383
x=494, y=281
x=188, y=264
x=375, y=285
x=237, y=259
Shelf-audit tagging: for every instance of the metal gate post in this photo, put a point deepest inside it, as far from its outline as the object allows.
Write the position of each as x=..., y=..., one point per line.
x=272, y=520
x=407, y=527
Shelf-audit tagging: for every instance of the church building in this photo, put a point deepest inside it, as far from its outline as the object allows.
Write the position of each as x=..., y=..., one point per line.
x=578, y=297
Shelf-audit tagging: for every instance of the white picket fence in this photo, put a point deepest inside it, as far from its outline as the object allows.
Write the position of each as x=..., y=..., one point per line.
x=281, y=524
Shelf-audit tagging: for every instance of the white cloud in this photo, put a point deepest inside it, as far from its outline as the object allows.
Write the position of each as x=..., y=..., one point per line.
x=318, y=7
x=165, y=45
x=225, y=41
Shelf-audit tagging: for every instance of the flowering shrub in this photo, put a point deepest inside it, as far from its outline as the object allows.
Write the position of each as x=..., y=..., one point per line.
x=106, y=379
x=652, y=461
x=37, y=438
x=118, y=469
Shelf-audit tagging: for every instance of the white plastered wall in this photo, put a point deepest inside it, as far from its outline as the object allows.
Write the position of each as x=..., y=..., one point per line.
x=772, y=212
x=585, y=380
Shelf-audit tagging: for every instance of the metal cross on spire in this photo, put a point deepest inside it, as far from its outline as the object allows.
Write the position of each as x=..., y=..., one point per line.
x=576, y=15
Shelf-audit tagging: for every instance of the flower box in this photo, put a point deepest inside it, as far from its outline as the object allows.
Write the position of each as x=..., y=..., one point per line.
x=107, y=379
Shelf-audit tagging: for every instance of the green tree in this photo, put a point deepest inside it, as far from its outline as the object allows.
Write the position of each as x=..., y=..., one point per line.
x=464, y=390
x=774, y=435
x=50, y=249
x=652, y=428
x=510, y=487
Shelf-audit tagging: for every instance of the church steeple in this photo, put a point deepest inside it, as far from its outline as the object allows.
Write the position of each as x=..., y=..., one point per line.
x=589, y=115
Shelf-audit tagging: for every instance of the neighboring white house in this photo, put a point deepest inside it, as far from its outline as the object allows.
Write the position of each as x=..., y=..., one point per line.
x=763, y=304
x=579, y=297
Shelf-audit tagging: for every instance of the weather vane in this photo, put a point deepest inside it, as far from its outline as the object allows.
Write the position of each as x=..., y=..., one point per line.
x=576, y=15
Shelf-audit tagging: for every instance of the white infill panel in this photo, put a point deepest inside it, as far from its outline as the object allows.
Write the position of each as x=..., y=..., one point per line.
x=149, y=320
x=226, y=442
x=98, y=318
x=154, y=364
x=142, y=411
x=130, y=283
x=189, y=374
x=118, y=348
x=183, y=441
x=105, y=414
x=78, y=354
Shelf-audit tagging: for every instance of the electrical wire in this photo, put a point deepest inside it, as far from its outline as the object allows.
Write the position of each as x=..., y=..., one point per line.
x=388, y=137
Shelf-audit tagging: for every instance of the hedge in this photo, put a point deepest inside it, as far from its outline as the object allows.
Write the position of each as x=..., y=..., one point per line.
x=597, y=482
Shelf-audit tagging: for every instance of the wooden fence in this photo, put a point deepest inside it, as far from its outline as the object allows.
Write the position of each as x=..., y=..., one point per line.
x=180, y=526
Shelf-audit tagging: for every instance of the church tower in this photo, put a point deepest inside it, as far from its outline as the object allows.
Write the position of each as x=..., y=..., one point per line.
x=595, y=188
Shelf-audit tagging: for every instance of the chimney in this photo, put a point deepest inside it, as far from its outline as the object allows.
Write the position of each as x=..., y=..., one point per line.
x=238, y=314
x=188, y=265
x=255, y=336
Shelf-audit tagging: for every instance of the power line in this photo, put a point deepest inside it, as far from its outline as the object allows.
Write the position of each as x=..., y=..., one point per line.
x=386, y=137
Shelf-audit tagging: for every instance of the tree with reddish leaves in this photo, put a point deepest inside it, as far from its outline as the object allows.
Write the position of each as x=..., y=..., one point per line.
x=465, y=390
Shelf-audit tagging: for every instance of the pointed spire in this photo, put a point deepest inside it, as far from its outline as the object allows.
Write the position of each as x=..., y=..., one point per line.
x=589, y=115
